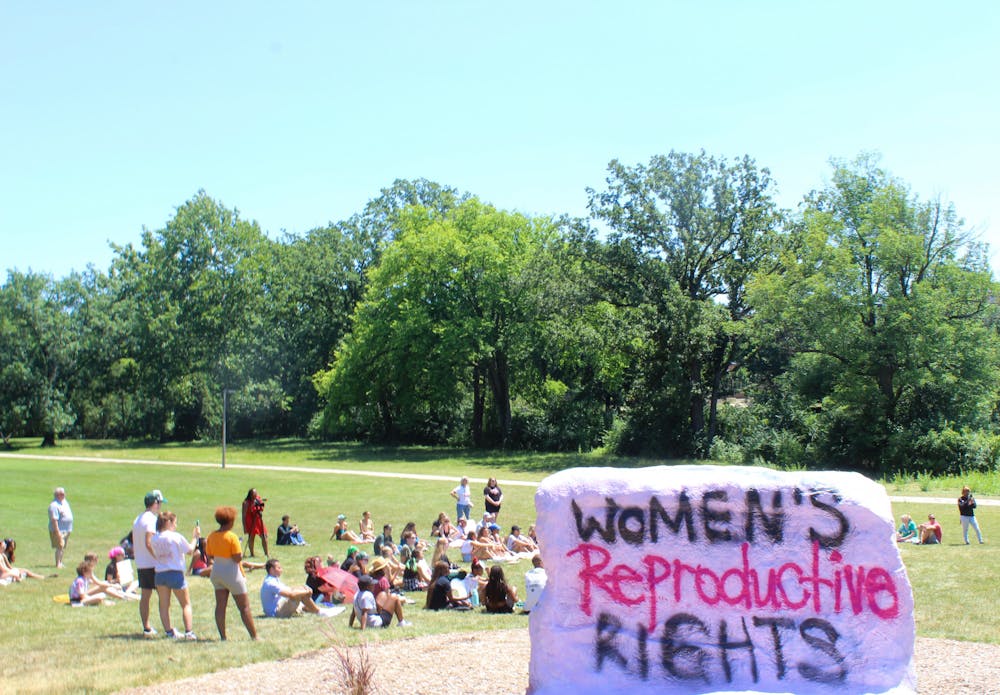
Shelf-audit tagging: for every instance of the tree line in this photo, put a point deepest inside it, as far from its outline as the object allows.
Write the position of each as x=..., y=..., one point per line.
x=688, y=316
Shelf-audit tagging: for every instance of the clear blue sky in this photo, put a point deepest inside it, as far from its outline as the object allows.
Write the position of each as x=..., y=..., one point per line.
x=112, y=114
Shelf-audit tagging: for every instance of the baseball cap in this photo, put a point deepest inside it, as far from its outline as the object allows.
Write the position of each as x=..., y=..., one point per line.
x=341, y=517
x=352, y=549
x=154, y=496
x=494, y=527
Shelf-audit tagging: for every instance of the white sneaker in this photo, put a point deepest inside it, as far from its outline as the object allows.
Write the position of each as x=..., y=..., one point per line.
x=404, y=623
x=150, y=633
x=174, y=634
x=190, y=636
x=330, y=612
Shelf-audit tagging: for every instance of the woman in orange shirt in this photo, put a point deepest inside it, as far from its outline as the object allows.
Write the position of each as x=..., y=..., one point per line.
x=226, y=554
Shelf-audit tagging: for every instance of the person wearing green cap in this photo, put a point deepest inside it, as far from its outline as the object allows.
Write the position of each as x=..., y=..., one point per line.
x=143, y=530
x=347, y=564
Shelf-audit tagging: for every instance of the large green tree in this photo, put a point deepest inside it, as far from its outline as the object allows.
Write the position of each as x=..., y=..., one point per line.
x=191, y=315
x=39, y=345
x=442, y=327
x=691, y=229
x=882, y=304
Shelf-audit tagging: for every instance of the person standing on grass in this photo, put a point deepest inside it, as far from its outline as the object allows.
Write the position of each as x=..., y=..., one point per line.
x=171, y=549
x=143, y=530
x=493, y=497
x=253, y=520
x=967, y=514
x=60, y=523
x=226, y=555
x=463, y=499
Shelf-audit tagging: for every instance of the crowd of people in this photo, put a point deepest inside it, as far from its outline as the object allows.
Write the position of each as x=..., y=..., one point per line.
x=376, y=591
x=931, y=533
x=376, y=586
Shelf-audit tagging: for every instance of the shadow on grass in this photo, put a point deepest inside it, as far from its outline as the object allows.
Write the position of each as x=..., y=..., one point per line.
x=360, y=453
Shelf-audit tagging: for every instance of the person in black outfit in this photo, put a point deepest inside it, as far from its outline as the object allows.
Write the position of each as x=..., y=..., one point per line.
x=967, y=512
x=492, y=497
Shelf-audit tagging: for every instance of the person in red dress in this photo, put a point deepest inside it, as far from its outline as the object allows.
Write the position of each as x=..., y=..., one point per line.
x=253, y=520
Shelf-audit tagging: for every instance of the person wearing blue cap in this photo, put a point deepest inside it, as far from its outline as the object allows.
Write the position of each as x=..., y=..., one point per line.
x=342, y=533
x=143, y=530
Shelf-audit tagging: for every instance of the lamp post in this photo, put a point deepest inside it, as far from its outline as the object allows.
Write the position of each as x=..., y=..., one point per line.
x=225, y=408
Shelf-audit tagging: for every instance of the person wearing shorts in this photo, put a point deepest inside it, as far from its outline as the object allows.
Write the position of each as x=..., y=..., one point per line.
x=171, y=549
x=282, y=601
x=223, y=547
x=143, y=530
x=365, y=610
x=60, y=523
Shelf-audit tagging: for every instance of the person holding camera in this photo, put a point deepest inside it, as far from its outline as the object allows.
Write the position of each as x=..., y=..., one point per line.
x=967, y=514
x=253, y=520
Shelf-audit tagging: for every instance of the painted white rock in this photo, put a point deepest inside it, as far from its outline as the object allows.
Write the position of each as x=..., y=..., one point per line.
x=701, y=579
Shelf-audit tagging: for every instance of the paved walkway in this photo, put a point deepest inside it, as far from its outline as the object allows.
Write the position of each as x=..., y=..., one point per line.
x=908, y=499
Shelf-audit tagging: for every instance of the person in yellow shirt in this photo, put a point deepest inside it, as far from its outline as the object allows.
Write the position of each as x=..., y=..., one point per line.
x=226, y=555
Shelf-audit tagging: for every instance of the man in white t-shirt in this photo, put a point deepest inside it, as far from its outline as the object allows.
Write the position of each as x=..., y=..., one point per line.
x=534, y=583
x=143, y=530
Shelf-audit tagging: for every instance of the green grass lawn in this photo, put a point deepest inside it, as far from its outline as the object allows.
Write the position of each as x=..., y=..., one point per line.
x=54, y=648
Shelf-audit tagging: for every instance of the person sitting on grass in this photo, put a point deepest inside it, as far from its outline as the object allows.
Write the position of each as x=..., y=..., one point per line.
x=389, y=604
x=930, y=532
x=109, y=589
x=82, y=592
x=519, y=543
x=322, y=591
x=499, y=596
x=342, y=533
x=439, y=593
x=365, y=608
x=475, y=582
x=7, y=568
x=907, y=532
x=360, y=564
x=441, y=552
x=111, y=576
x=348, y=562
x=282, y=601
x=384, y=539
x=288, y=533
x=367, y=527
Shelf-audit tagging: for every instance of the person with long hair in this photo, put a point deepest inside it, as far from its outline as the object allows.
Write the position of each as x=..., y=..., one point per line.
x=7, y=548
x=492, y=497
x=226, y=559
x=253, y=520
x=367, y=527
x=439, y=594
x=499, y=596
x=170, y=549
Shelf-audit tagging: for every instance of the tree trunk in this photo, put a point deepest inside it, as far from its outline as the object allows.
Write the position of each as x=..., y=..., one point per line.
x=49, y=439
x=500, y=386
x=478, y=406
x=697, y=405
